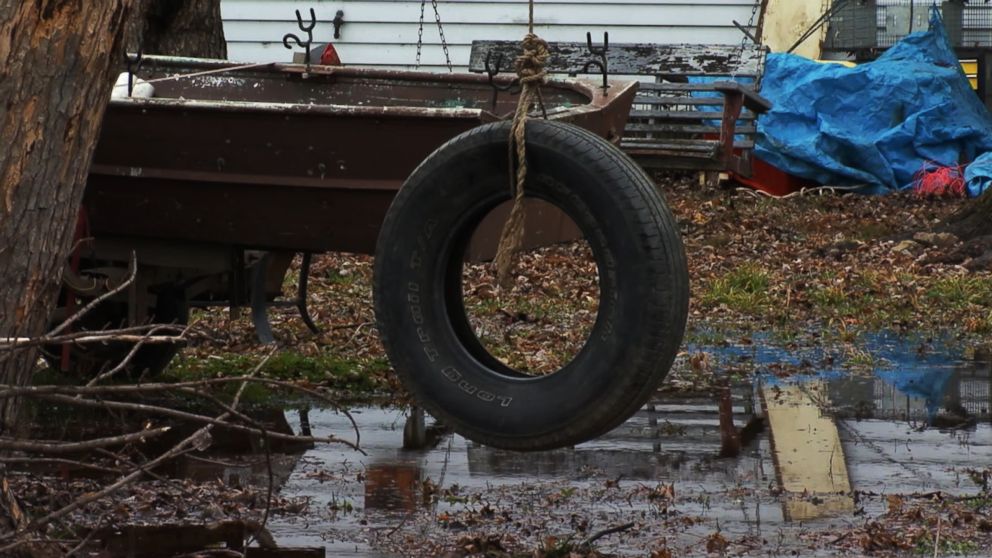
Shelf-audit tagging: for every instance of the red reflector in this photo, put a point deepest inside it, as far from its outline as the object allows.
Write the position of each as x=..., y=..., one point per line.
x=330, y=56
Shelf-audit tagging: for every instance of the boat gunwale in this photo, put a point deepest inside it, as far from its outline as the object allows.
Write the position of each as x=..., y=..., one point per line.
x=597, y=99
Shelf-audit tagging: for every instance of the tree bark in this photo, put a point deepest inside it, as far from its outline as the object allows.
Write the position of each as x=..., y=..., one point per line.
x=178, y=28
x=971, y=221
x=58, y=62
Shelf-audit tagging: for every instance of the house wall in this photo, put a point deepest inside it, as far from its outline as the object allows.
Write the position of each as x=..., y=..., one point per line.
x=787, y=20
x=384, y=32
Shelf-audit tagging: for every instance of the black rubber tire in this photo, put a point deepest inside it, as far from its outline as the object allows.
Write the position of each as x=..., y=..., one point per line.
x=87, y=361
x=643, y=288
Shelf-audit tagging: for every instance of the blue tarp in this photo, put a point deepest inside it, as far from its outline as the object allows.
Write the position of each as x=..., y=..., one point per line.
x=877, y=124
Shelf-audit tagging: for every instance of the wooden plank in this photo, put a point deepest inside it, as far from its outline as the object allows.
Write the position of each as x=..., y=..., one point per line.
x=679, y=144
x=706, y=147
x=684, y=129
x=660, y=100
x=677, y=86
x=808, y=454
x=637, y=58
x=692, y=115
x=655, y=160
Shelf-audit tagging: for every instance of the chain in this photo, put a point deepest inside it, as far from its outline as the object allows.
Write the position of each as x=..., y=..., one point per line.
x=750, y=25
x=440, y=31
x=420, y=32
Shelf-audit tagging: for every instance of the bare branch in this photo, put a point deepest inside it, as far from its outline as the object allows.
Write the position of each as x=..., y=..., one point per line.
x=37, y=446
x=60, y=461
x=127, y=359
x=10, y=390
x=91, y=497
x=105, y=336
x=133, y=270
x=193, y=417
x=89, y=536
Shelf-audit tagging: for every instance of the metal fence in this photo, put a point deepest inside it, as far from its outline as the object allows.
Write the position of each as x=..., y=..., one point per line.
x=871, y=24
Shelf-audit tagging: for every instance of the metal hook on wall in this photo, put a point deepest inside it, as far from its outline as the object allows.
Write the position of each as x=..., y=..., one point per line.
x=306, y=28
x=338, y=21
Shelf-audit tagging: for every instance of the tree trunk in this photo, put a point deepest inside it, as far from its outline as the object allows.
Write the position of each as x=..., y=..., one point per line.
x=58, y=61
x=971, y=221
x=178, y=28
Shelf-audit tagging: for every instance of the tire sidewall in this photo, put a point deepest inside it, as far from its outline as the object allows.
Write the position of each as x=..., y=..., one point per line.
x=428, y=223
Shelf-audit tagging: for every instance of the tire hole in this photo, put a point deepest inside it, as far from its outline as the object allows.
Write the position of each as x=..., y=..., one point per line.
x=543, y=320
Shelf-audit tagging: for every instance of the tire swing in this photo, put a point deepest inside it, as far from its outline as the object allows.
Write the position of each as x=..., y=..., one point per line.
x=643, y=282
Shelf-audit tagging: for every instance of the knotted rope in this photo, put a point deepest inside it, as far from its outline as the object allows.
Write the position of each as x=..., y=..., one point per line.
x=530, y=70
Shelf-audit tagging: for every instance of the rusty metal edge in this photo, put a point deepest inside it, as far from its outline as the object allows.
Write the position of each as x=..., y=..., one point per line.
x=598, y=99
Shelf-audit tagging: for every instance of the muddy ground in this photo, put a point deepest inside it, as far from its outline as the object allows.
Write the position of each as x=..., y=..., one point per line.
x=781, y=289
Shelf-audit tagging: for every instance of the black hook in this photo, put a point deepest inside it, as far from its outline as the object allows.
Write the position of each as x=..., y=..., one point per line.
x=338, y=21
x=133, y=66
x=308, y=29
x=602, y=62
x=492, y=70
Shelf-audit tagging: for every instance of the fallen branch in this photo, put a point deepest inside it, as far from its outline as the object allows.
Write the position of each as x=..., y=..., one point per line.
x=126, y=361
x=193, y=417
x=132, y=272
x=60, y=461
x=127, y=334
x=9, y=390
x=35, y=446
x=600, y=534
x=90, y=497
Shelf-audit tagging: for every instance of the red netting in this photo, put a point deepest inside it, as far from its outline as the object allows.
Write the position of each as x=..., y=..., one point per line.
x=935, y=180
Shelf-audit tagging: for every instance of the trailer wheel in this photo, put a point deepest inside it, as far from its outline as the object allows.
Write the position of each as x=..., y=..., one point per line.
x=87, y=361
x=642, y=273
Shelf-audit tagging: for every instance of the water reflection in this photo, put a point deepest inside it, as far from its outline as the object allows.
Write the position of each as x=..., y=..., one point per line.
x=922, y=381
x=915, y=424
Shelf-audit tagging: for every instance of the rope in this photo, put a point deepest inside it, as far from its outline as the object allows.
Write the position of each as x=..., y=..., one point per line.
x=934, y=180
x=530, y=70
x=209, y=72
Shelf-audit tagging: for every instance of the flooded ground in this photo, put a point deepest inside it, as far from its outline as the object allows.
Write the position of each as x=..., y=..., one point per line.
x=884, y=450
x=822, y=454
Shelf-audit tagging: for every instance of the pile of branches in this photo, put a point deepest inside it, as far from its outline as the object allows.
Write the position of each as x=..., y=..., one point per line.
x=24, y=535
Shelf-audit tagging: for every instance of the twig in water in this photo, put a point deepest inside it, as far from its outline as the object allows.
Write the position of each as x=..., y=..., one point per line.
x=600, y=534
x=89, y=536
x=10, y=390
x=165, y=411
x=936, y=542
x=91, y=497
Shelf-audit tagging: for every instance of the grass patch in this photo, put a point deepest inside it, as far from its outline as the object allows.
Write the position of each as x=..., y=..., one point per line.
x=744, y=289
x=360, y=376
x=948, y=547
x=960, y=292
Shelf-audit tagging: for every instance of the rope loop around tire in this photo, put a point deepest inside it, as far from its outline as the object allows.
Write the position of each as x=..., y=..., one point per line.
x=530, y=67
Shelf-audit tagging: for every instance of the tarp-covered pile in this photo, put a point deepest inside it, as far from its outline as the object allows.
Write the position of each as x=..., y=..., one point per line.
x=877, y=124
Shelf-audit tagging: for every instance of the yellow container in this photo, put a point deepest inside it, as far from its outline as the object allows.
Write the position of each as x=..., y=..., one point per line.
x=970, y=68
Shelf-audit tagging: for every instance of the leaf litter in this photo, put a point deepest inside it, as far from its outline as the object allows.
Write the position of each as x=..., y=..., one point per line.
x=808, y=270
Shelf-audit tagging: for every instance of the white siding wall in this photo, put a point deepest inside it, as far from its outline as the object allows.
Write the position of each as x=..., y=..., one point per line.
x=384, y=32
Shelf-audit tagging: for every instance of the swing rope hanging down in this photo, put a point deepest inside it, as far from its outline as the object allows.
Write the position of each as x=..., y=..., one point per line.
x=530, y=67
